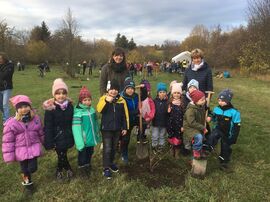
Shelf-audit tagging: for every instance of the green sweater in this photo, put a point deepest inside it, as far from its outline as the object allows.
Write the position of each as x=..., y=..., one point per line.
x=194, y=120
x=85, y=127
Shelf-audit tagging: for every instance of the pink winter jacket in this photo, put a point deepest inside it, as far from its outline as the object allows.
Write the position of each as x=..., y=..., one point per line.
x=21, y=141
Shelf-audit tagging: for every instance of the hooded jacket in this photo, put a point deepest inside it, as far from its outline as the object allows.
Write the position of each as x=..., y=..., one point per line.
x=22, y=141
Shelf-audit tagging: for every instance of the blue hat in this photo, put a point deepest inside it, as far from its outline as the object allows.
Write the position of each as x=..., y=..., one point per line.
x=194, y=83
x=161, y=87
x=226, y=95
x=129, y=83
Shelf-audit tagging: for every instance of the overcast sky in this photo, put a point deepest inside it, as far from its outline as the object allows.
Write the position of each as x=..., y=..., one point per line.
x=147, y=21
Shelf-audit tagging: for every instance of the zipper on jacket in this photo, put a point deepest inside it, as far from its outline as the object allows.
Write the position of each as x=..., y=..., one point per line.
x=92, y=126
x=114, y=115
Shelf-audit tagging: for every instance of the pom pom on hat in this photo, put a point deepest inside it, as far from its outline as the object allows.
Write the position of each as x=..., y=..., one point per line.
x=174, y=81
x=196, y=95
x=226, y=95
x=113, y=85
x=194, y=83
x=20, y=100
x=177, y=87
x=161, y=87
x=58, y=84
x=84, y=93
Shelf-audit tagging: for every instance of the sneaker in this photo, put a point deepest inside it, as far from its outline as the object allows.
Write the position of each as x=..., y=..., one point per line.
x=59, y=175
x=196, y=154
x=114, y=168
x=107, y=173
x=69, y=174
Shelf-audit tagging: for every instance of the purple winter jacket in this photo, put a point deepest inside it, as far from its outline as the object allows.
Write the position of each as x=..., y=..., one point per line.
x=22, y=141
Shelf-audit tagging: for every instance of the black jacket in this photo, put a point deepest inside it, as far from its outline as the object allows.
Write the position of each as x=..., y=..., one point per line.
x=6, y=74
x=58, y=128
x=202, y=75
x=161, y=113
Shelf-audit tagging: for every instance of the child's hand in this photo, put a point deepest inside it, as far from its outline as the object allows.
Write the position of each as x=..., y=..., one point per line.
x=169, y=109
x=124, y=132
x=208, y=119
x=182, y=129
x=205, y=131
x=109, y=98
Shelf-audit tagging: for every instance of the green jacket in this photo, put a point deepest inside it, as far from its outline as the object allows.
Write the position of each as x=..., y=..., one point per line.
x=194, y=120
x=85, y=127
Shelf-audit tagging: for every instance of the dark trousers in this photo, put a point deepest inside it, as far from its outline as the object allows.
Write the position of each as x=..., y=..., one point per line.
x=226, y=150
x=28, y=166
x=84, y=156
x=62, y=160
x=110, y=140
x=125, y=139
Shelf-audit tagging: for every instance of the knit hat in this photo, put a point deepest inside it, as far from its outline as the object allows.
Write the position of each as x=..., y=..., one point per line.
x=174, y=81
x=177, y=87
x=196, y=95
x=113, y=84
x=20, y=100
x=146, y=84
x=161, y=87
x=226, y=95
x=84, y=93
x=129, y=83
x=58, y=84
x=194, y=83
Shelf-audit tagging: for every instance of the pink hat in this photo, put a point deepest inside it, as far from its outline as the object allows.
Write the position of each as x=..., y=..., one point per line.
x=177, y=87
x=58, y=84
x=20, y=98
x=84, y=93
x=173, y=82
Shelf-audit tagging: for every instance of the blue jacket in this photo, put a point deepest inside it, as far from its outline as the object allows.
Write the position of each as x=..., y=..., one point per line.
x=132, y=104
x=227, y=119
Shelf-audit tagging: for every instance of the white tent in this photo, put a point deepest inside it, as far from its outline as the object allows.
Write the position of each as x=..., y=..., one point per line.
x=186, y=55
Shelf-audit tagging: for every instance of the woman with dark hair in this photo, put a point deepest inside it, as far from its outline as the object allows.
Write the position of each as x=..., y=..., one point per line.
x=6, y=85
x=115, y=69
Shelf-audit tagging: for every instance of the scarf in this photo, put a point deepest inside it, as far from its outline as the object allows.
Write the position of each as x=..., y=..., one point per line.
x=63, y=105
x=145, y=107
x=176, y=102
x=195, y=67
x=118, y=68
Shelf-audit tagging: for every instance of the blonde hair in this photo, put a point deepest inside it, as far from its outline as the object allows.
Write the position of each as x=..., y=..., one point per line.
x=196, y=53
x=19, y=116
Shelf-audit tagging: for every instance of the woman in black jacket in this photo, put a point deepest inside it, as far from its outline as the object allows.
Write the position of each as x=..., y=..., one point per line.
x=6, y=85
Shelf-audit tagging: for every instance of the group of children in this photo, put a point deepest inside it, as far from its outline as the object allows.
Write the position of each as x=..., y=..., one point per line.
x=181, y=116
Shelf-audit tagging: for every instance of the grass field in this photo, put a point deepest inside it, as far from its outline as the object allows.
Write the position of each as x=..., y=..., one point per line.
x=171, y=180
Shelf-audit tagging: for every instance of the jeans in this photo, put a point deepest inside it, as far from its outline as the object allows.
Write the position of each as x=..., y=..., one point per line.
x=28, y=166
x=110, y=140
x=4, y=99
x=84, y=156
x=158, y=136
x=197, y=142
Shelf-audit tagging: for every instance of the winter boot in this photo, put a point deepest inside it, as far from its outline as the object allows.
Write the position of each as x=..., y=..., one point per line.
x=197, y=154
x=28, y=185
x=59, y=175
x=69, y=174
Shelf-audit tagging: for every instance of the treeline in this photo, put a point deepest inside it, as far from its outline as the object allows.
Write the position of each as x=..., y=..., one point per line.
x=247, y=46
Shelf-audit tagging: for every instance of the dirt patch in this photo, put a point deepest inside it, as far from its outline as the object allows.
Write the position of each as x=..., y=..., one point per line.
x=166, y=173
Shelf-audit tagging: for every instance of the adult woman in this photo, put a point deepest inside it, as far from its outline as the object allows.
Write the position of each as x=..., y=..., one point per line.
x=115, y=69
x=200, y=71
x=6, y=85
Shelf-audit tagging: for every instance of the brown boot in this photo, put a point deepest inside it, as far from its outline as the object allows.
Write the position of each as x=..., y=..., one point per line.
x=177, y=153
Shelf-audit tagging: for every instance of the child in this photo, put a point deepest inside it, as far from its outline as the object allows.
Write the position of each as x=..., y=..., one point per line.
x=159, y=122
x=192, y=85
x=132, y=100
x=22, y=139
x=85, y=131
x=114, y=122
x=170, y=90
x=147, y=110
x=227, y=126
x=175, y=120
x=194, y=123
x=58, y=126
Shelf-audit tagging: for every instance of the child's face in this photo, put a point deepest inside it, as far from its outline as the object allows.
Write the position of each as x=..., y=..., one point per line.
x=192, y=88
x=113, y=92
x=24, y=109
x=130, y=91
x=176, y=95
x=201, y=102
x=87, y=101
x=222, y=103
x=162, y=94
x=60, y=95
